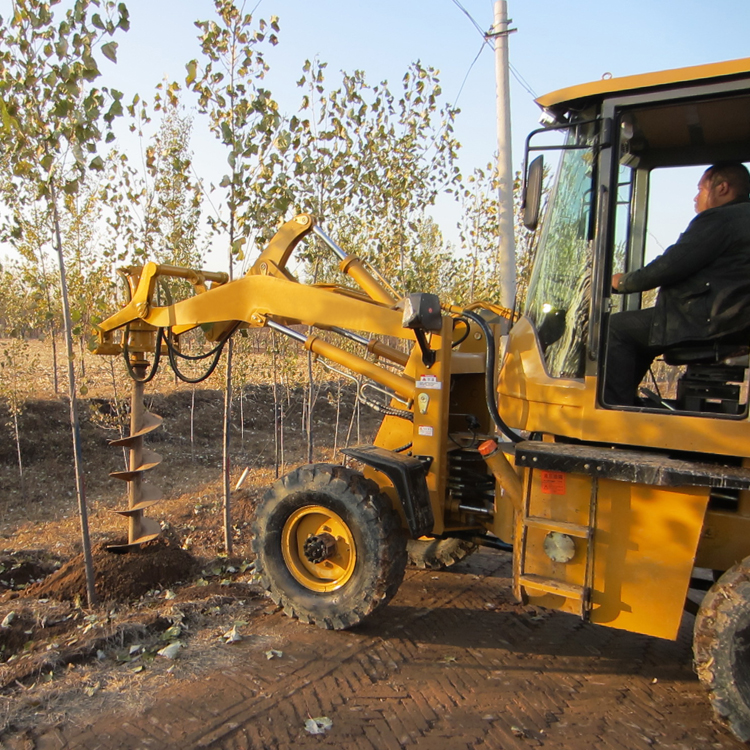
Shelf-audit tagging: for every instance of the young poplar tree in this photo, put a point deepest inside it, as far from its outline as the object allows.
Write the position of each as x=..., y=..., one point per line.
x=479, y=232
x=155, y=201
x=17, y=369
x=53, y=119
x=244, y=117
x=410, y=156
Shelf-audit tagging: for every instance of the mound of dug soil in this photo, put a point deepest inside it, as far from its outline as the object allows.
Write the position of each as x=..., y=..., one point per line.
x=119, y=577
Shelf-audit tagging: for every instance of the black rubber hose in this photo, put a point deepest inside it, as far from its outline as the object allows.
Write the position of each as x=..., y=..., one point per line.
x=171, y=351
x=466, y=332
x=489, y=377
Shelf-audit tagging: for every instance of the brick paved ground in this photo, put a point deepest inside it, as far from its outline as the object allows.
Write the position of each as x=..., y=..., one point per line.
x=452, y=663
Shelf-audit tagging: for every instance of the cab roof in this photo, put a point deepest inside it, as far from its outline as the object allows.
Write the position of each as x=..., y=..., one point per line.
x=573, y=96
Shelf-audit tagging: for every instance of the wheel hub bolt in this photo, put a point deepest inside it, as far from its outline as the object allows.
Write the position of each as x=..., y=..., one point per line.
x=319, y=547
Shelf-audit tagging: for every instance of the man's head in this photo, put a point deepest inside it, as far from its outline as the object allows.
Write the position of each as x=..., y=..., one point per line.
x=722, y=184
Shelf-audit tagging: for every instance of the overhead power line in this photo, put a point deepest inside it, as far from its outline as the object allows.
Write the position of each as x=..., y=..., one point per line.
x=466, y=77
x=514, y=71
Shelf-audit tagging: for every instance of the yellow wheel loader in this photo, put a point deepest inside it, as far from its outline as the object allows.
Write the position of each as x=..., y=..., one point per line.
x=495, y=431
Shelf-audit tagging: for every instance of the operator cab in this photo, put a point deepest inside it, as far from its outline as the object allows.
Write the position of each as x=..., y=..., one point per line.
x=631, y=152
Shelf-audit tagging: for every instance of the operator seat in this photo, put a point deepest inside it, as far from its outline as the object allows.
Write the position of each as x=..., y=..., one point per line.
x=714, y=375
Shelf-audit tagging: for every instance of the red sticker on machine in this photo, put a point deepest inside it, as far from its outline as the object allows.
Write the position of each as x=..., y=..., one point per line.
x=553, y=482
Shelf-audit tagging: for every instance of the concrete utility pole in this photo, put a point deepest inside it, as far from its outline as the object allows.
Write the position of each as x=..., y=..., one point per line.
x=507, y=247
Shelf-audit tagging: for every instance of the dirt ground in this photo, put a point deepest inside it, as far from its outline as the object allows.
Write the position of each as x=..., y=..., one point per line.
x=183, y=651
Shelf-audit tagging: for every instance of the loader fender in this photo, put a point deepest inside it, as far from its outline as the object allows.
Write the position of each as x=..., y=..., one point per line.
x=408, y=475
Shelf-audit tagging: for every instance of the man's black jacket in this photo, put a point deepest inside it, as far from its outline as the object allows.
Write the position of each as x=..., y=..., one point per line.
x=704, y=279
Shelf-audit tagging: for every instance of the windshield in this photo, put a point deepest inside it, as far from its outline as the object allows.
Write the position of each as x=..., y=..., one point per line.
x=560, y=287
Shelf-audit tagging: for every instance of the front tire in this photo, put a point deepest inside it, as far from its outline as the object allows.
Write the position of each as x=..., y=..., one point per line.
x=329, y=547
x=721, y=648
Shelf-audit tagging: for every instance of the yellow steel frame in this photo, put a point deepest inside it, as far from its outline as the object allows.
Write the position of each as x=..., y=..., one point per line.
x=270, y=293
x=632, y=555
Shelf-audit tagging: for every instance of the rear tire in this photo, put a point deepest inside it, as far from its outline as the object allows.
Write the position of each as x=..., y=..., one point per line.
x=721, y=648
x=435, y=554
x=346, y=521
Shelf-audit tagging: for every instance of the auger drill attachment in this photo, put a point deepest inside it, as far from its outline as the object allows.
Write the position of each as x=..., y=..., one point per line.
x=140, y=495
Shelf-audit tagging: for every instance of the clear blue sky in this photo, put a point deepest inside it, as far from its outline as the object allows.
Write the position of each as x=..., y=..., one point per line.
x=557, y=44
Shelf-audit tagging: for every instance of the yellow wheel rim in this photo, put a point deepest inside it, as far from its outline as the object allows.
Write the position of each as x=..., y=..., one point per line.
x=333, y=572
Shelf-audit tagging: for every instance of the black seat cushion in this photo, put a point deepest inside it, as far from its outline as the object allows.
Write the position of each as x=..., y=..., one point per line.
x=706, y=352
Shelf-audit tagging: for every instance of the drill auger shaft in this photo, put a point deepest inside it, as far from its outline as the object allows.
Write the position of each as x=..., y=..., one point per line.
x=140, y=495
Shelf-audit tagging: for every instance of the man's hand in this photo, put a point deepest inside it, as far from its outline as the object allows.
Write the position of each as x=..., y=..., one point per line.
x=616, y=282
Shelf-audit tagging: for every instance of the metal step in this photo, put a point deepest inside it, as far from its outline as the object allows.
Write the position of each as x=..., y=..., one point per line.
x=551, y=586
x=563, y=527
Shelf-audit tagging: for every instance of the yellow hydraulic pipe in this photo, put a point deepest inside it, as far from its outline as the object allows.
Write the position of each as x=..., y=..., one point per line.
x=401, y=384
x=379, y=349
x=178, y=272
x=503, y=472
x=355, y=268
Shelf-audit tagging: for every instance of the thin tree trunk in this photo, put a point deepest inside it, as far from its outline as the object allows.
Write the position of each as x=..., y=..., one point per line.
x=118, y=413
x=276, y=441
x=359, y=423
x=242, y=419
x=227, y=460
x=338, y=419
x=192, y=423
x=55, y=381
x=18, y=451
x=310, y=402
x=282, y=414
x=82, y=349
x=352, y=419
x=74, y=423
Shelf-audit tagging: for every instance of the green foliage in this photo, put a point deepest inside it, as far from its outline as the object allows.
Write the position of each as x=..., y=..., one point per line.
x=479, y=231
x=53, y=118
x=17, y=369
x=242, y=115
x=155, y=209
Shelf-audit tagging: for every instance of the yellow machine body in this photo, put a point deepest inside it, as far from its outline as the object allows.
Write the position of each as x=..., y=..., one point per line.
x=609, y=510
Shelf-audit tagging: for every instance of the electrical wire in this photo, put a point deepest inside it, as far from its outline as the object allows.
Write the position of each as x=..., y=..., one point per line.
x=514, y=71
x=522, y=81
x=466, y=77
x=468, y=15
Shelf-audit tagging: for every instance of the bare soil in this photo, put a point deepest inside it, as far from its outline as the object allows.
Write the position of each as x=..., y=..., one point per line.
x=56, y=653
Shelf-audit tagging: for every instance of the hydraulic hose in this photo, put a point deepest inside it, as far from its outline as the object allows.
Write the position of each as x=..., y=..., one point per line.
x=489, y=377
x=215, y=352
x=157, y=355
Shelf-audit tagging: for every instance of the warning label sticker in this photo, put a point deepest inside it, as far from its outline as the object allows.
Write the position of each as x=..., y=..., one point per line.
x=429, y=382
x=426, y=430
x=553, y=482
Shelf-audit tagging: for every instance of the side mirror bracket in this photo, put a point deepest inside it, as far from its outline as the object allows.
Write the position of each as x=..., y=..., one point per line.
x=422, y=313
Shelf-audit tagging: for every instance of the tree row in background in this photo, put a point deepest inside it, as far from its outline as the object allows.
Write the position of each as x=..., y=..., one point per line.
x=367, y=160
